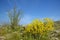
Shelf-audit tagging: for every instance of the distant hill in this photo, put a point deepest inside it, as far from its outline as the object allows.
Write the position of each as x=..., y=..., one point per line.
x=57, y=24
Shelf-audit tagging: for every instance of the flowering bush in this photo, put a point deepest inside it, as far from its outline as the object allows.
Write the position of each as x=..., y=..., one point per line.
x=39, y=30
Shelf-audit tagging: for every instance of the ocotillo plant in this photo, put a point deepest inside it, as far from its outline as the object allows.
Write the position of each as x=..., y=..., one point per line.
x=15, y=17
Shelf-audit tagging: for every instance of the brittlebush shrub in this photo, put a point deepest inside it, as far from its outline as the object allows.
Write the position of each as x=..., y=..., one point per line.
x=39, y=30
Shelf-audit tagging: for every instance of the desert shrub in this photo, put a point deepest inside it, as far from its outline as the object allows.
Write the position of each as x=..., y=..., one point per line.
x=13, y=36
x=39, y=30
x=5, y=30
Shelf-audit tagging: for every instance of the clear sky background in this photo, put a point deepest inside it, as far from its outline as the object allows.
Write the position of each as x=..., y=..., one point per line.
x=31, y=9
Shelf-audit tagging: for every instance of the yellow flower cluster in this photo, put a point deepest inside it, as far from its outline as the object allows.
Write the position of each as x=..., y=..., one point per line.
x=40, y=27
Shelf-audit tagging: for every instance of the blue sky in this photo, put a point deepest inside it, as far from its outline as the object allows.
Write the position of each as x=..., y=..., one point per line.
x=31, y=9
